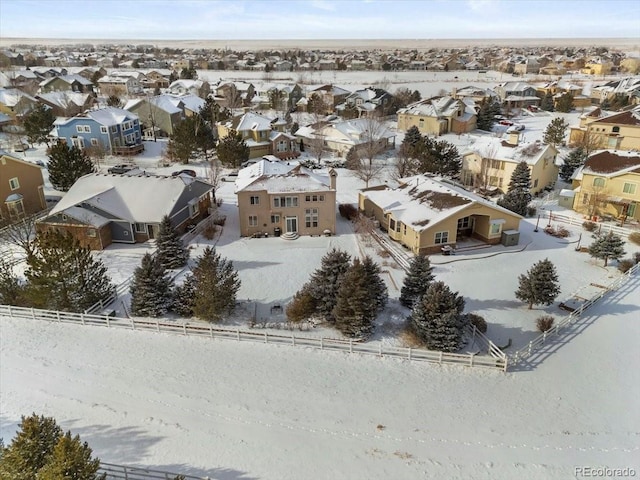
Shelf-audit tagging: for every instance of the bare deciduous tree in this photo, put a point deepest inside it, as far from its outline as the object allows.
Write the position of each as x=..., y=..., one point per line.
x=214, y=175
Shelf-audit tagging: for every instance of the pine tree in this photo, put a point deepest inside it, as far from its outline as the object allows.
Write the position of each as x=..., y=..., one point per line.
x=417, y=280
x=555, y=131
x=216, y=286
x=437, y=318
x=63, y=275
x=151, y=294
x=607, y=246
x=540, y=284
x=12, y=291
x=302, y=305
x=38, y=123
x=31, y=448
x=171, y=251
x=519, y=195
x=183, y=297
x=66, y=165
x=574, y=160
x=190, y=138
x=413, y=143
x=114, y=101
x=564, y=104
x=233, y=150
x=326, y=281
x=71, y=459
x=546, y=103
x=487, y=112
x=440, y=157
x=354, y=311
x=377, y=287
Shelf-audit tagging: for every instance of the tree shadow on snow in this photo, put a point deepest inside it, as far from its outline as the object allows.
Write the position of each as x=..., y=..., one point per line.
x=221, y=473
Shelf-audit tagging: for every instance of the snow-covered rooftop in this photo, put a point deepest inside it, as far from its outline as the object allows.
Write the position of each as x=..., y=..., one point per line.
x=279, y=177
x=500, y=149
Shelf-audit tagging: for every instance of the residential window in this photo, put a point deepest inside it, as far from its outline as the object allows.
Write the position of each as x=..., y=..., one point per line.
x=311, y=217
x=585, y=198
x=392, y=224
x=631, y=211
x=615, y=129
x=311, y=198
x=103, y=130
x=14, y=183
x=629, y=188
x=253, y=220
x=79, y=128
x=275, y=218
x=441, y=237
x=535, y=183
x=15, y=208
x=254, y=200
x=87, y=129
x=193, y=208
x=495, y=228
x=139, y=228
x=94, y=142
x=114, y=129
x=463, y=223
x=321, y=198
x=126, y=126
x=598, y=182
x=91, y=232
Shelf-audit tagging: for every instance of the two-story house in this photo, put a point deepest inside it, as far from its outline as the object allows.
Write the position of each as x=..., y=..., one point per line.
x=16, y=103
x=114, y=130
x=262, y=134
x=159, y=115
x=489, y=162
x=67, y=104
x=619, y=131
x=331, y=95
x=437, y=116
x=115, y=85
x=608, y=186
x=281, y=97
x=190, y=87
x=367, y=101
x=67, y=83
x=21, y=189
x=517, y=94
x=275, y=198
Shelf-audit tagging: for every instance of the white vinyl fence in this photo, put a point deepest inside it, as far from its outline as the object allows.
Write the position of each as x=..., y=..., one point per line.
x=123, y=472
x=600, y=226
x=498, y=362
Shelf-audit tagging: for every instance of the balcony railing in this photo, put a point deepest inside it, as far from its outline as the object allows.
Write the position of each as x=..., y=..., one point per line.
x=128, y=149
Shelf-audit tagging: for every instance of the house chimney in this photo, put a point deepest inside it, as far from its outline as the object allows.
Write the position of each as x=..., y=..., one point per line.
x=514, y=138
x=332, y=179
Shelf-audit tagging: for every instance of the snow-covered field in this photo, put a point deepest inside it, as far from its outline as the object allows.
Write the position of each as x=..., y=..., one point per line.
x=249, y=411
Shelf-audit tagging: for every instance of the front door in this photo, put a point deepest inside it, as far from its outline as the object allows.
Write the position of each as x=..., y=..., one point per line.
x=292, y=224
x=150, y=232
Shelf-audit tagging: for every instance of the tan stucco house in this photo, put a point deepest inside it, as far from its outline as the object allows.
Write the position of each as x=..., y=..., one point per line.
x=619, y=131
x=425, y=214
x=275, y=198
x=437, y=116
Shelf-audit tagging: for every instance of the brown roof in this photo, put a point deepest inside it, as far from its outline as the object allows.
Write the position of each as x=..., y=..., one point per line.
x=608, y=162
x=624, y=118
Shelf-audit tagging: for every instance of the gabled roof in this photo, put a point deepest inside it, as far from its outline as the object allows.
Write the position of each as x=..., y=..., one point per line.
x=64, y=99
x=11, y=96
x=422, y=202
x=135, y=198
x=611, y=164
x=9, y=157
x=630, y=117
x=433, y=107
x=110, y=116
x=68, y=79
x=278, y=177
x=499, y=149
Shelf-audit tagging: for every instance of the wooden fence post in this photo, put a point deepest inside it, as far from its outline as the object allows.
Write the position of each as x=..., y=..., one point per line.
x=440, y=358
x=529, y=350
x=266, y=337
x=321, y=343
x=108, y=322
x=238, y=334
x=350, y=345
x=157, y=325
x=82, y=318
x=409, y=354
x=58, y=316
x=471, y=359
x=293, y=339
x=544, y=337
x=33, y=314
x=133, y=323
x=184, y=328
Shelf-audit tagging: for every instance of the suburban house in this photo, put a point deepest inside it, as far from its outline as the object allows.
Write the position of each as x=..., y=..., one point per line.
x=526, y=65
x=340, y=137
x=100, y=209
x=275, y=198
x=628, y=87
x=619, y=131
x=67, y=104
x=16, y=103
x=426, y=214
x=116, y=85
x=437, y=115
x=368, y=101
x=67, y=83
x=263, y=135
x=330, y=95
x=234, y=94
x=21, y=188
x=158, y=115
x=278, y=96
x=115, y=130
x=189, y=87
x=489, y=162
x=517, y=94
x=477, y=94
x=157, y=78
x=597, y=66
x=608, y=186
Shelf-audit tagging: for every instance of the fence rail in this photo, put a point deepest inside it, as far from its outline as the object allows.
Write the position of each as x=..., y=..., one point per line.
x=568, y=320
x=114, y=471
x=204, y=330
x=601, y=227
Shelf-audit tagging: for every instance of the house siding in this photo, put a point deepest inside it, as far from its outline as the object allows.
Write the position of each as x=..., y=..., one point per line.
x=31, y=185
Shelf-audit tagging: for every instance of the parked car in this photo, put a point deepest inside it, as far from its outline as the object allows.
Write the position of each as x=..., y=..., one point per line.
x=186, y=171
x=506, y=122
x=230, y=177
x=122, y=168
x=20, y=147
x=517, y=127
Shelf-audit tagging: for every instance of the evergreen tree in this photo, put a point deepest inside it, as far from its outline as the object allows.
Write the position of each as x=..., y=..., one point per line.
x=413, y=143
x=574, y=160
x=38, y=123
x=12, y=291
x=606, y=246
x=66, y=165
x=377, y=287
x=63, y=275
x=114, y=101
x=183, y=297
x=212, y=112
x=417, y=280
x=540, y=284
x=350, y=111
x=191, y=137
x=188, y=73
x=440, y=157
x=30, y=449
x=546, y=103
x=437, y=318
x=233, y=150
x=555, y=132
x=485, y=119
x=216, y=286
x=355, y=311
x=564, y=104
x=71, y=459
x=302, y=305
x=150, y=288
x=326, y=281
x=519, y=194
x=171, y=251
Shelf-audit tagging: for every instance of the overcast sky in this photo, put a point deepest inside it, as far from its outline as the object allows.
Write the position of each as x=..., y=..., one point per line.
x=319, y=19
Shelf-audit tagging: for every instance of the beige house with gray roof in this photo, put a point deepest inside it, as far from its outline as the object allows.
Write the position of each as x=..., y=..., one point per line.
x=437, y=116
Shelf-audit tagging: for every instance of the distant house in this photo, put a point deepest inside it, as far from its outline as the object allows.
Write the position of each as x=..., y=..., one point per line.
x=489, y=162
x=234, y=94
x=477, y=94
x=158, y=115
x=100, y=209
x=115, y=85
x=281, y=97
x=67, y=104
x=21, y=188
x=526, y=65
x=330, y=94
x=190, y=87
x=618, y=131
x=115, y=130
x=157, y=78
x=67, y=83
x=425, y=214
x=368, y=101
x=517, y=94
x=597, y=66
x=262, y=134
x=608, y=185
x=275, y=198
x=16, y=103
x=437, y=116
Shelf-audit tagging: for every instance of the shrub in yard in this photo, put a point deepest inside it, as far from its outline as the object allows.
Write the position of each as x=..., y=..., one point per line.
x=348, y=211
x=544, y=323
x=477, y=321
x=625, y=265
x=635, y=238
x=562, y=232
x=531, y=211
x=589, y=226
x=209, y=232
x=636, y=257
